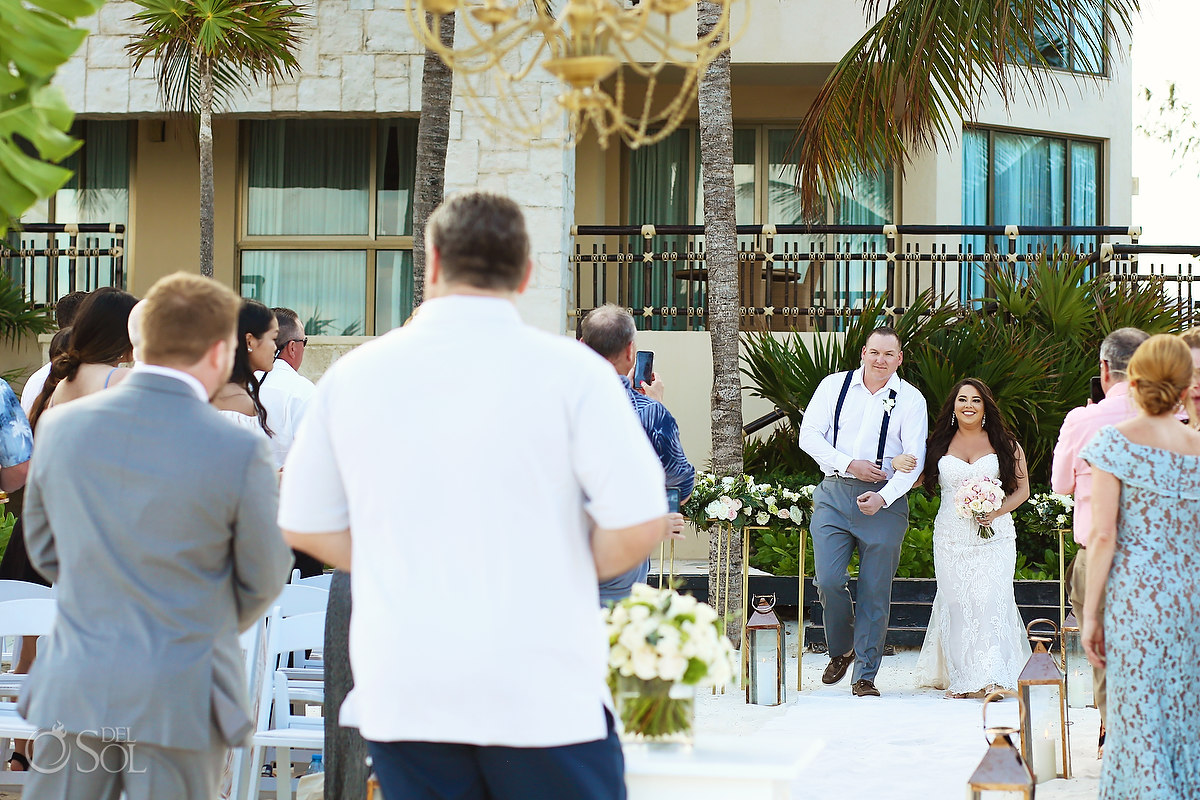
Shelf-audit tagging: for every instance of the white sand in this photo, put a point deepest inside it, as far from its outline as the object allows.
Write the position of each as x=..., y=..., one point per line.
x=909, y=743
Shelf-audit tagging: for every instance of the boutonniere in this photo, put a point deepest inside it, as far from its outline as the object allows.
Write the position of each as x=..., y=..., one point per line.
x=889, y=404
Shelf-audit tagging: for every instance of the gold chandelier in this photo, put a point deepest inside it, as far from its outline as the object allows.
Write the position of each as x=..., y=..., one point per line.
x=589, y=46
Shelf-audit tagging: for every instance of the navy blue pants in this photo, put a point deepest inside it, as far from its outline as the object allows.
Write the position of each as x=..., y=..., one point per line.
x=439, y=771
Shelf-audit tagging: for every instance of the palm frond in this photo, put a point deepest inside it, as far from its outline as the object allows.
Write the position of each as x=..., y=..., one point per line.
x=901, y=89
x=243, y=41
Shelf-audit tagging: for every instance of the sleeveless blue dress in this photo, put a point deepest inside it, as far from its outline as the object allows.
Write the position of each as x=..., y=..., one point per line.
x=1152, y=622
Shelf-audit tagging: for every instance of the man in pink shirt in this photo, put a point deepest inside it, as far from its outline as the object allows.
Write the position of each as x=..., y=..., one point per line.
x=1072, y=475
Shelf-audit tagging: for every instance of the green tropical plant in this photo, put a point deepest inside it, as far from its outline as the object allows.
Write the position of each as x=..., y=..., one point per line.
x=206, y=50
x=18, y=316
x=36, y=38
x=925, y=65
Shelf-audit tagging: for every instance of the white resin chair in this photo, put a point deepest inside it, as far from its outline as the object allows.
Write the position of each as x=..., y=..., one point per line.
x=277, y=726
x=25, y=617
x=321, y=581
x=18, y=590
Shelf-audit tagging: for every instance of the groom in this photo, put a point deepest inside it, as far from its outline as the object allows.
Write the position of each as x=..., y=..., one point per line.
x=854, y=425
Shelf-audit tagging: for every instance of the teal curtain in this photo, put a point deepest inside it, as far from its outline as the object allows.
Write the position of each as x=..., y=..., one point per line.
x=308, y=177
x=783, y=201
x=393, y=289
x=397, y=172
x=1029, y=185
x=659, y=188
x=867, y=201
x=327, y=288
x=1085, y=196
x=974, y=209
x=98, y=191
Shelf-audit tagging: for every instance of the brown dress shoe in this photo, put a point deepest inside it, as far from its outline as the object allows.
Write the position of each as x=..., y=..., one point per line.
x=865, y=688
x=837, y=668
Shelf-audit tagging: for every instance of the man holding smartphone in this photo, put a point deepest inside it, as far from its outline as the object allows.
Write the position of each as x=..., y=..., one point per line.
x=609, y=330
x=1072, y=475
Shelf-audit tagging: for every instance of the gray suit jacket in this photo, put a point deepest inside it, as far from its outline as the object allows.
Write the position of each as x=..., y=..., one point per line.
x=155, y=519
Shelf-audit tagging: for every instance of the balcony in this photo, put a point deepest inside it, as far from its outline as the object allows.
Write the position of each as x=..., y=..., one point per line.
x=52, y=260
x=812, y=277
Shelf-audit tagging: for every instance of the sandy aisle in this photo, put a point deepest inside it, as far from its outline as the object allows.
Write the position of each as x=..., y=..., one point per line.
x=909, y=743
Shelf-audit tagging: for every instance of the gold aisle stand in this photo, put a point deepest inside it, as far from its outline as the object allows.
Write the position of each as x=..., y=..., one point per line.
x=719, y=597
x=746, y=600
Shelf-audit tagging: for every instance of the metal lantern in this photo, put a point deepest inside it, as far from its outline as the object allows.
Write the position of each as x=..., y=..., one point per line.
x=764, y=639
x=1002, y=774
x=1043, y=694
x=1080, y=691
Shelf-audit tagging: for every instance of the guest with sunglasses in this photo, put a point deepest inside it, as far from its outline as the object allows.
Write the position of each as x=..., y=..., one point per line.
x=284, y=391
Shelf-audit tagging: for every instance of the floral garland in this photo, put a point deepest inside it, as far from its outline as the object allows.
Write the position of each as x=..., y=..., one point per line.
x=741, y=501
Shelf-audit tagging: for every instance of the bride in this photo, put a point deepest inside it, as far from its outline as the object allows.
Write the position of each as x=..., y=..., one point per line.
x=976, y=640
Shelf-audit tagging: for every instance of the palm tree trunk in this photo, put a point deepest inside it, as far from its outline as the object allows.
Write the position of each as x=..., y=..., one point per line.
x=433, y=135
x=206, y=168
x=720, y=244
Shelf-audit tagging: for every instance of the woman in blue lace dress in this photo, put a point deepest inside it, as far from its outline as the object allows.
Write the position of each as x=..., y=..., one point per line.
x=1143, y=550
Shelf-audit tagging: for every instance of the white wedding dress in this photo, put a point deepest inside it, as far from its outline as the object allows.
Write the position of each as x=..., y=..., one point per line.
x=975, y=637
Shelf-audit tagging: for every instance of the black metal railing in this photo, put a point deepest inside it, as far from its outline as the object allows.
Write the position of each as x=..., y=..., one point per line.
x=50, y=260
x=806, y=277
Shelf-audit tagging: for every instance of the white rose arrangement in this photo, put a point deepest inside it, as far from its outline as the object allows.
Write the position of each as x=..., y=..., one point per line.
x=663, y=638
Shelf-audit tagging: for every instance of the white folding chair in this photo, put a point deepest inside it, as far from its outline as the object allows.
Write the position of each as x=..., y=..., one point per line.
x=298, y=598
x=289, y=731
x=10, y=650
x=254, y=655
x=321, y=581
x=25, y=617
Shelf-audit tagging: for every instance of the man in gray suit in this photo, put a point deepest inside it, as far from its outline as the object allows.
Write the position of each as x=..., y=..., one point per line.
x=155, y=519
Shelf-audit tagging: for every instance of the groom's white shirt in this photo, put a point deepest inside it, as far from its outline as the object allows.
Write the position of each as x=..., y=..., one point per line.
x=860, y=423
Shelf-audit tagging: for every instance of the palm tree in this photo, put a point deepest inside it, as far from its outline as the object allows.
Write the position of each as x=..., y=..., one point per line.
x=901, y=89
x=36, y=38
x=724, y=319
x=204, y=50
x=433, y=135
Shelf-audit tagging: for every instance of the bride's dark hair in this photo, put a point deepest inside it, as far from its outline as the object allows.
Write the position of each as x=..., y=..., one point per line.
x=1003, y=442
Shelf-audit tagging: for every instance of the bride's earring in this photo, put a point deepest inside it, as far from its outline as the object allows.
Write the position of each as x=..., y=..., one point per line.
x=983, y=422
x=954, y=421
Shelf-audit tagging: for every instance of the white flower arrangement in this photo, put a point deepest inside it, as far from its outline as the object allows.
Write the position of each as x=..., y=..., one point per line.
x=661, y=634
x=661, y=645
x=742, y=501
x=888, y=404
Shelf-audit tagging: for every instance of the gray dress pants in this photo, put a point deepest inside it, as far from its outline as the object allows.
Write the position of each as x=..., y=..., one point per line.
x=346, y=770
x=838, y=528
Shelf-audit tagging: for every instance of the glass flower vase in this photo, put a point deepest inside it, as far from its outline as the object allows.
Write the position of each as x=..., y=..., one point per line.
x=655, y=711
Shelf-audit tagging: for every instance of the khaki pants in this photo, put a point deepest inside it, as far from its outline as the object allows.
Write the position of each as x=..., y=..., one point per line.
x=85, y=767
x=1078, y=594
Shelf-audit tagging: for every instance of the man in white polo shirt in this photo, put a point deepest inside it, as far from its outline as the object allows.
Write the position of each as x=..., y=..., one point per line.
x=492, y=472
x=284, y=391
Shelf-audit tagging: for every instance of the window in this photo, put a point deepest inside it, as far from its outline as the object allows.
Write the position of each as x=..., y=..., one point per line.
x=98, y=192
x=665, y=188
x=1075, y=45
x=327, y=229
x=1026, y=179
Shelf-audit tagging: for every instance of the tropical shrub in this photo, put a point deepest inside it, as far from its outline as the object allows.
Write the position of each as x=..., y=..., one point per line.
x=1035, y=342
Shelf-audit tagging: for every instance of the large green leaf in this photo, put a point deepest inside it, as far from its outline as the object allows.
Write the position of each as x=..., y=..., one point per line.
x=924, y=66
x=36, y=38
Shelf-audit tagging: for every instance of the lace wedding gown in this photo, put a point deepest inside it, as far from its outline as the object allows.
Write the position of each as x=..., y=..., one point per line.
x=976, y=637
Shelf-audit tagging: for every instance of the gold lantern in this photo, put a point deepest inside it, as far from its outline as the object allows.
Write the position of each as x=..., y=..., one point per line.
x=763, y=638
x=1045, y=743
x=1077, y=668
x=1002, y=774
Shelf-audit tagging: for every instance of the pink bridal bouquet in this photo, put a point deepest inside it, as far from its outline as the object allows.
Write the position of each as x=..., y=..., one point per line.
x=976, y=497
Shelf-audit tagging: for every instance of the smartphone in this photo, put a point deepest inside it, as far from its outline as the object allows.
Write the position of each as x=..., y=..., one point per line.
x=643, y=369
x=672, y=501
x=1097, y=389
